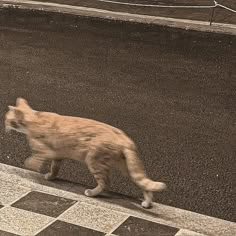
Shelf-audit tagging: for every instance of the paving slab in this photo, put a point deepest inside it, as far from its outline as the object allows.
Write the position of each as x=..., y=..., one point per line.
x=21, y=222
x=184, y=232
x=135, y=226
x=62, y=229
x=10, y=193
x=97, y=218
x=45, y=204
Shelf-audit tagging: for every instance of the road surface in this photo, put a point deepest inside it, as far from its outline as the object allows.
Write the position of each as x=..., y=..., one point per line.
x=220, y=15
x=172, y=91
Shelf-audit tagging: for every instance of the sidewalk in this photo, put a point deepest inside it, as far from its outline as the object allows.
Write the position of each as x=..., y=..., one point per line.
x=72, y=10
x=201, y=14
x=30, y=205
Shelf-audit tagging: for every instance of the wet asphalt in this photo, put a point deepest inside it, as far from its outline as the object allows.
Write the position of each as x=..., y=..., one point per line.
x=172, y=91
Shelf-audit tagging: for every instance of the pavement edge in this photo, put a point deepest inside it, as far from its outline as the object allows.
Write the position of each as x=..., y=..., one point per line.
x=201, y=26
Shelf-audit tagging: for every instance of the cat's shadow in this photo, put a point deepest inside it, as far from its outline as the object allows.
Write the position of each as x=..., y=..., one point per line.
x=107, y=197
x=117, y=199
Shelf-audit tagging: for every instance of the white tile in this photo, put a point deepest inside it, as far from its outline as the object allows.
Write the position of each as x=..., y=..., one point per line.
x=10, y=192
x=22, y=222
x=97, y=218
x=185, y=232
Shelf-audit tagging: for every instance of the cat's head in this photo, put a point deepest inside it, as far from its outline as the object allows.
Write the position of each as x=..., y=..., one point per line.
x=19, y=116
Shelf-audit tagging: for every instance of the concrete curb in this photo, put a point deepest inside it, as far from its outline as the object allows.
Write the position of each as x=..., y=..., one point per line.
x=202, y=26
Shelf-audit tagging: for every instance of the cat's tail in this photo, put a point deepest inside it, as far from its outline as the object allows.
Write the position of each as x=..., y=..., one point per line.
x=137, y=172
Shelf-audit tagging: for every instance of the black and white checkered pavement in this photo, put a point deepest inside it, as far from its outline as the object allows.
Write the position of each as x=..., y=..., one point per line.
x=30, y=205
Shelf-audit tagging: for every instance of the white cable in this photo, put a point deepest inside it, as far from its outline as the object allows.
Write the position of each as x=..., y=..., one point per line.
x=154, y=5
x=227, y=8
x=166, y=6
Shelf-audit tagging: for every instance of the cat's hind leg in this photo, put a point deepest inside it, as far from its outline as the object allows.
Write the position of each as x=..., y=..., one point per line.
x=55, y=167
x=148, y=196
x=100, y=170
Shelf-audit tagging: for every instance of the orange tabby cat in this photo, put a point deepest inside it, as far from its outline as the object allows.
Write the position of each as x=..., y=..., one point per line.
x=54, y=137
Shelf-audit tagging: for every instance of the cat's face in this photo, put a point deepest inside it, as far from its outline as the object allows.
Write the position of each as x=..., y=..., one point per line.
x=18, y=116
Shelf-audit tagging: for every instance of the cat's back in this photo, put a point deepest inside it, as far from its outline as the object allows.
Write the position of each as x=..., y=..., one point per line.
x=62, y=127
x=75, y=124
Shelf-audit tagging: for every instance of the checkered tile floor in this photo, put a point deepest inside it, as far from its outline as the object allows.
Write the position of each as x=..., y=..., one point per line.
x=30, y=205
x=38, y=213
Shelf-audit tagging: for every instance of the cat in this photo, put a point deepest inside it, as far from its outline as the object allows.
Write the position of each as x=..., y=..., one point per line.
x=53, y=137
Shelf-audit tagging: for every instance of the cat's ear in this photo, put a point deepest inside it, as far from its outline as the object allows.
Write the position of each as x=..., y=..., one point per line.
x=21, y=102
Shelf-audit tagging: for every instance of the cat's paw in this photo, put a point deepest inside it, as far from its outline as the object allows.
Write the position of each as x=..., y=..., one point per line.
x=49, y=176
x=146, y=204
x=88, y=193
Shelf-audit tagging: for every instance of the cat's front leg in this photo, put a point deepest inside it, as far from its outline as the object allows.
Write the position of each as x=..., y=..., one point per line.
x=42, y=155
x=55, y=167
x=35, y=163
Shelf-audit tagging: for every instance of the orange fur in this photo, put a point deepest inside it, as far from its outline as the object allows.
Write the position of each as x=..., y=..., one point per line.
x=54, y=137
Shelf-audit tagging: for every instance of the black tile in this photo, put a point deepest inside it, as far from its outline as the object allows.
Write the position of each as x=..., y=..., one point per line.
x=61, y=228
x=43, y=203
x=4, y=233
x=139, y=227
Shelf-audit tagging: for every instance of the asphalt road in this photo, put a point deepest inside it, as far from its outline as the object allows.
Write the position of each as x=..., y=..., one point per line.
x=172, y=91
x=220, y=15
